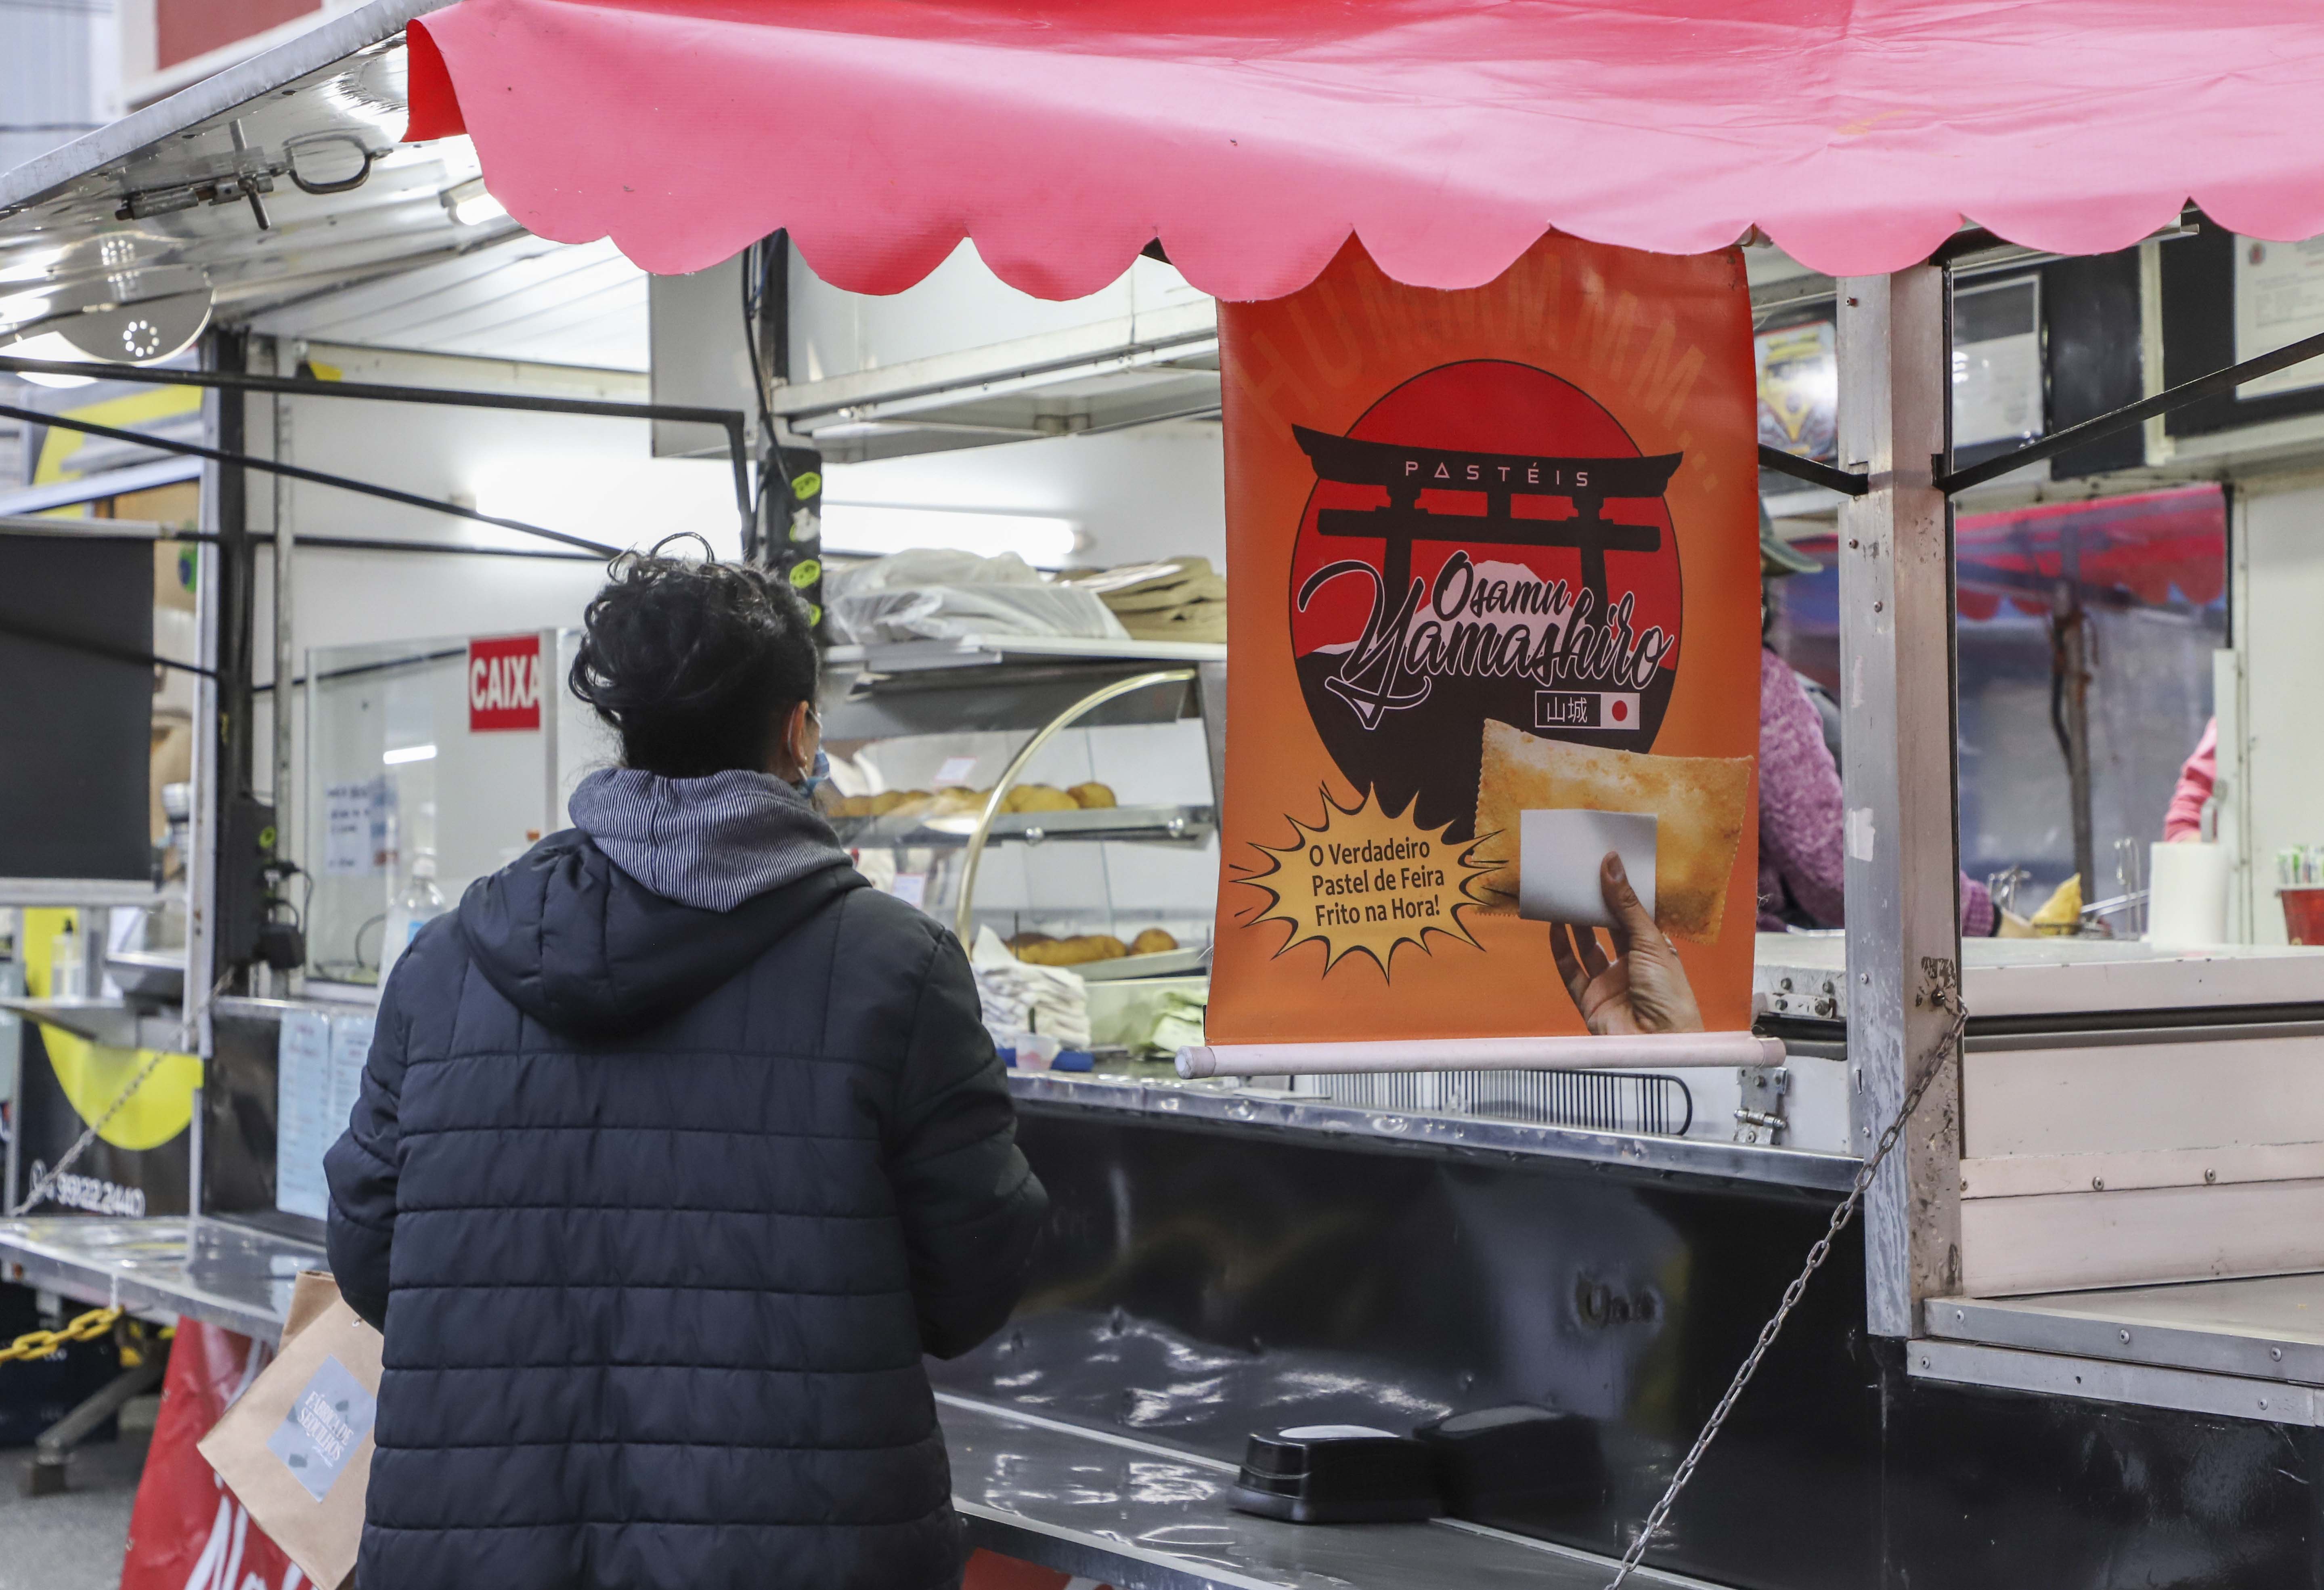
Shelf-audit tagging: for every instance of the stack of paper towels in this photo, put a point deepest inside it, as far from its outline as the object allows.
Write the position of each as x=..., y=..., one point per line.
x=2187, y=903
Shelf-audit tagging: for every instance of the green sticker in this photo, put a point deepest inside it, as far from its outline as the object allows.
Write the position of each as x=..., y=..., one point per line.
x=266, y=837
x=804, y=573
x=809, y=484
x=814, y=615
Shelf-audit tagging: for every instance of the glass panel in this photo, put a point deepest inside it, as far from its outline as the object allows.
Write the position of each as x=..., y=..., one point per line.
x=1997, y=362
x=2152, y=589
x=394, y=771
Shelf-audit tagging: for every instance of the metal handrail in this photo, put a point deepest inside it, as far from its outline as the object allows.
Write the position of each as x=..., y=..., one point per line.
x=1017, y=763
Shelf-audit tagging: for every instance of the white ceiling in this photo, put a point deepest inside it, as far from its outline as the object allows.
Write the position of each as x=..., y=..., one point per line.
x=529, y=298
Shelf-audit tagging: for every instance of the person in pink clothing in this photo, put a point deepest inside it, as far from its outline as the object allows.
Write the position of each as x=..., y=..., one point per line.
x=1800, y=817
x=2196, y=778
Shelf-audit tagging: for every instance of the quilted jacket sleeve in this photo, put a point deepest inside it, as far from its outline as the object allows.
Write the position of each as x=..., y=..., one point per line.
x=361, y=1167
x=969, y=1204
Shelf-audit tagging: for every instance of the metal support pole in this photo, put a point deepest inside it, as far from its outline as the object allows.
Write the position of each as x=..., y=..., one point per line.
x=96, y=946
x=202, y=825
x=2073, y=623
x=552, y=697
x=228, y=483
x=53, y=1449
x=12, y=1061
x=1897, y=672
x=283, y=702
x=197, y=1154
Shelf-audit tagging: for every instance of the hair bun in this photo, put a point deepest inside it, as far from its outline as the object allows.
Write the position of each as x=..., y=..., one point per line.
x=695, y=664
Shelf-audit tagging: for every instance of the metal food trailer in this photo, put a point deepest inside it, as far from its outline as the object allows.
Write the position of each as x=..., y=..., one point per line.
x=2074, y=1344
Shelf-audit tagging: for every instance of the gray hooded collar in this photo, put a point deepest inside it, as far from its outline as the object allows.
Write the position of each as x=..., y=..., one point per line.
x=710, y=843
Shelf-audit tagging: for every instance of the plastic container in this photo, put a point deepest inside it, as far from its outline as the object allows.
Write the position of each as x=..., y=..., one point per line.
x=2303, y=913
x=66, y=971
x=421, y=903
x=1335, y=1473
x=2187, y=895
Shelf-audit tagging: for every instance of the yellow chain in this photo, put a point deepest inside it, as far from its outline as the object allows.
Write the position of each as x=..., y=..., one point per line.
x=40, y=1344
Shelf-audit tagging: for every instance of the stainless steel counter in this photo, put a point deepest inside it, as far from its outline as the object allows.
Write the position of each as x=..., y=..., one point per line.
x=162, y=1267
x=1140, y=1516
x=2250, y=1348
x=1131, y=1513
x=1221, y=1102
x=1805, y=975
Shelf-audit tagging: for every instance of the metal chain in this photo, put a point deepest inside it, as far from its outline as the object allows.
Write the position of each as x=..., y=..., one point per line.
x=1946, y=992
x=40, y=1344
x=80, y=1144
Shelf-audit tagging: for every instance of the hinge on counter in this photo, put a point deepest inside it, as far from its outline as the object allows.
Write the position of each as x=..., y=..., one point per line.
x=1759, y=1119
x=1780, y=991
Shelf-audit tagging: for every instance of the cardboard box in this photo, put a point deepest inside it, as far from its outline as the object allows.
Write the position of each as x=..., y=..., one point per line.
x=295, y=1448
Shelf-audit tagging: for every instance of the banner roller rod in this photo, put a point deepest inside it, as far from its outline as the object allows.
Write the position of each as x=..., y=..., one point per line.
x=1639, y=1051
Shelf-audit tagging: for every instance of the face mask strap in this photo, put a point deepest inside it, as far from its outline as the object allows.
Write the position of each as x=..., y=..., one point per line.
x=817, y=769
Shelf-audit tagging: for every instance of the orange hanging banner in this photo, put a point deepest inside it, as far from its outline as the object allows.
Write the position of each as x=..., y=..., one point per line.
x=1493, y=695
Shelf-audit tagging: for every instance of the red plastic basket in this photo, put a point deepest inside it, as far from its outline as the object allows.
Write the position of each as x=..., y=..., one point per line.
x=2303, y=914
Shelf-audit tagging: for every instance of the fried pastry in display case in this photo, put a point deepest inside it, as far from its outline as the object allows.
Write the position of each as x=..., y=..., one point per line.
x=1063, y=796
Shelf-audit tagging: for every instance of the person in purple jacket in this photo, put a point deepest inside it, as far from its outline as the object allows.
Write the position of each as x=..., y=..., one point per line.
x=1642, y=986
x=1801, y=819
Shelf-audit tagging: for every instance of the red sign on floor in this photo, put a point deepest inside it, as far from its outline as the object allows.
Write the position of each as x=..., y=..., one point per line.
x=186, y=1530
x=504, y=684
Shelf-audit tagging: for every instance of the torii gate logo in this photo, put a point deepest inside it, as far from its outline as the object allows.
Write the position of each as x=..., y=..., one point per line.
x=1485, y=541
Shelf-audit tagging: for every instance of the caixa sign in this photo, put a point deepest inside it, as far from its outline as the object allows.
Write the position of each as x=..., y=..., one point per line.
x=503, y=684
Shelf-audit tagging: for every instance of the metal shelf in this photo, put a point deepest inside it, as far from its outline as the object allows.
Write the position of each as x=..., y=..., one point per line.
x=112, y=1022
x=1151, y=825
x=978, y=651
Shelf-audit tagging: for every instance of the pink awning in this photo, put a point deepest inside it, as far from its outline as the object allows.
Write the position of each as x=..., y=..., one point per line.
x=2143, y=546
x=1251, y=136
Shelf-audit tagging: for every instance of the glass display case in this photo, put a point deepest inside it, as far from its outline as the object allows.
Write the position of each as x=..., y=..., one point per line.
x=462, y=752
x=1066, y=803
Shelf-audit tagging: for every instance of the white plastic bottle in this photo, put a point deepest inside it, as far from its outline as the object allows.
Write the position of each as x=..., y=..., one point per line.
x=65, y=968
x=421, y=903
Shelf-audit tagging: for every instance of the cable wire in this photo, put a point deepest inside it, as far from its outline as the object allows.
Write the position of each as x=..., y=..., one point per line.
x=1945, y=979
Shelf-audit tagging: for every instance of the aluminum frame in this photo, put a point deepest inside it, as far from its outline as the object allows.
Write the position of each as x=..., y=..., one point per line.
x=1216, y=1103
x=2098, y=1380
x=1898, y=788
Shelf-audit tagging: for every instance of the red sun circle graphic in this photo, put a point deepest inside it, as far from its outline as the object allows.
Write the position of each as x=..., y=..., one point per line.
x=1486, y=542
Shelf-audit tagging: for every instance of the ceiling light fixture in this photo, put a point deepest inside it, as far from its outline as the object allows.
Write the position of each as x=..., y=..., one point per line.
x=32, y=267
x=470, y=205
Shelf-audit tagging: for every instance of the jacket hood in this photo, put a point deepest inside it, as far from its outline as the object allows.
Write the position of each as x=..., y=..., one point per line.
x=586, y=949
x=711, y=842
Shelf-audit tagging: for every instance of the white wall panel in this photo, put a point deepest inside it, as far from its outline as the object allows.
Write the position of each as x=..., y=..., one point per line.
x=2279, y=598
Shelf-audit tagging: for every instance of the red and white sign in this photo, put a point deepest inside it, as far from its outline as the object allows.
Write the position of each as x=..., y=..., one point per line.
x=187, y=1531
x=504, y=684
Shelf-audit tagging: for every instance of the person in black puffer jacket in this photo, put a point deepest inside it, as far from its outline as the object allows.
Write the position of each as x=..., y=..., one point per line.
x=677, y=1147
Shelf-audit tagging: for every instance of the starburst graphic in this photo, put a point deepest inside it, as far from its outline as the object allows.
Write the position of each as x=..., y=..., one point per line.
x=1363, y=881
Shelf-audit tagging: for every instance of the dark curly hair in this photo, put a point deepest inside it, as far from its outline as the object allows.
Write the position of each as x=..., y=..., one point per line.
x=695, y=664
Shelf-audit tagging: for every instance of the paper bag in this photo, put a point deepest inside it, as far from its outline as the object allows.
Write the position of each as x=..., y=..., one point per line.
x=296, y=1449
